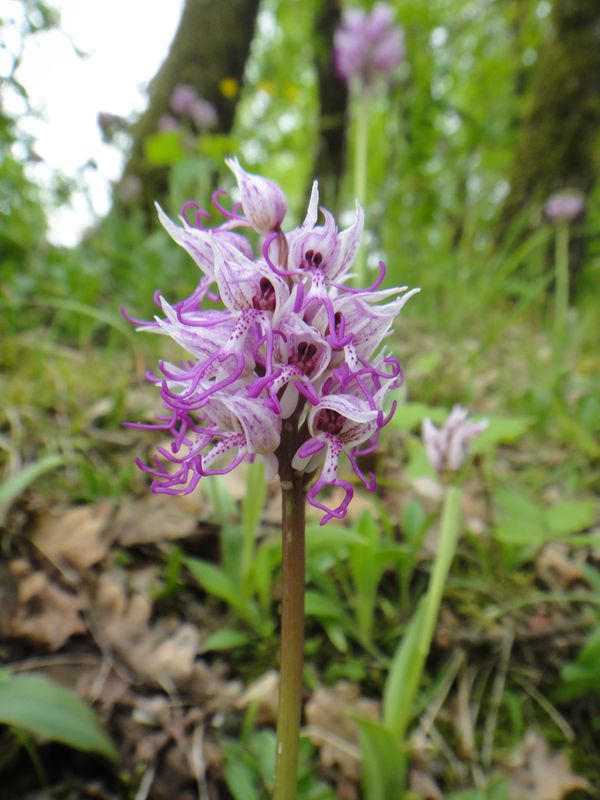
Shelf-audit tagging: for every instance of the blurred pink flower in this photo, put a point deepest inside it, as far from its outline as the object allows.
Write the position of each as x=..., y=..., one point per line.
x=203, y=113
x=368, y=46
x=447, y=447
x=564, y=206
x=182, y=96
x=167, y=123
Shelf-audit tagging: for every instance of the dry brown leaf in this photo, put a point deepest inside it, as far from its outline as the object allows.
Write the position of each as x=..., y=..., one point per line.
x=537, y=774
x=153, y=520
x=46, y=614
x=264, y=692
x=424, y=786
x=331, y=728
x=76, y=535
x=555, y=565
x=163, y=653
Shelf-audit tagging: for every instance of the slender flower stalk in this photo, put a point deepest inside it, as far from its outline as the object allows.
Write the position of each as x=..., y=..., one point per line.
x=291, y=372
x=447, y=449
x=562, y=209
x=367, y=50
x=361, y=162
x=292, y=620
x=561, y=278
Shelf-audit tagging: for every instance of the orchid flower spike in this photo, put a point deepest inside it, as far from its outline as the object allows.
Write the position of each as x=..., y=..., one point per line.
x=290, y=346
x=447, y=447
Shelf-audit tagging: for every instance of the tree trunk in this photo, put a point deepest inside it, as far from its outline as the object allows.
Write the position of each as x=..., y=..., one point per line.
x=557, y=140
x=333, y=96
x=211, y=44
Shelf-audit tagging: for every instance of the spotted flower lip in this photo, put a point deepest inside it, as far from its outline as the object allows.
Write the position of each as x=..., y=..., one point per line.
x=447, y=447
x=290, y=343
x=321, y=249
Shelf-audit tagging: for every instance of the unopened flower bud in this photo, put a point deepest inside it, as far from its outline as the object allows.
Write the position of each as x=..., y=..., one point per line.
x=263, y=202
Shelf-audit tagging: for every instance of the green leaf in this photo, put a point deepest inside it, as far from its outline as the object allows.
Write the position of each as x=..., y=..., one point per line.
x=410, y=415
x=226, y=639
x=500, y=430
x=318, y=605
x=329, y=538
x=46, y=709
x=240, y=780
x=213, y=580
x=413, y=519
x=25, y=477
x=217, y=146
x=521, y=521
x=164, y=148
x=571, y=516
x=400, y=688
x=384, y=762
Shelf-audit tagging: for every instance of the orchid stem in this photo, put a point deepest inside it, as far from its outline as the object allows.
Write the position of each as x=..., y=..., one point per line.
x=561, y=267
x=292, y=635
x=361, y=160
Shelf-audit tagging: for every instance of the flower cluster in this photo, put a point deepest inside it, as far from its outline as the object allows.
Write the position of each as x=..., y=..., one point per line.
x=368, y=46
x=294, y=348
x=447, y=447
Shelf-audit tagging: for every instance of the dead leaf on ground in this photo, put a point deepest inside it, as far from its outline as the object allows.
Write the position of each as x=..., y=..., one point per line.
x=163, y=653
x=152, y=520
x=424, y=786
x=46, y=614
x=537, y=774
x=265, y=693
x=331, y=728
x=557, y=566
x=79, y=535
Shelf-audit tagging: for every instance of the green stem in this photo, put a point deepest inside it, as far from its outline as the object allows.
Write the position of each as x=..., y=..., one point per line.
x=561, y=272
x=292, y=635
x=451, y=515
x=409, y=661
x=361, y=160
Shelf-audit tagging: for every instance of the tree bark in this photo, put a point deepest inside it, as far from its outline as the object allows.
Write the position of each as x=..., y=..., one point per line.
x=557, y=140
x=211, y=44
x=330, y=157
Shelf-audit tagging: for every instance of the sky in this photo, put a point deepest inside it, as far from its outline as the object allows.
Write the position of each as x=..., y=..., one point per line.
x=124, y=43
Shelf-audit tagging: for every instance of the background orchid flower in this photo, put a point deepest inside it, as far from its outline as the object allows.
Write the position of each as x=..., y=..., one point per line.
x=447, y=447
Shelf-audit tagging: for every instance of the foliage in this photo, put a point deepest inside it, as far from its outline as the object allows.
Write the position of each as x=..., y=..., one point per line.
x=46, y=709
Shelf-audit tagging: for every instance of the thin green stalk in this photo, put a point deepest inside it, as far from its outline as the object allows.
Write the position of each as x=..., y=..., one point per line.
x=409, y=661
x=451, y=515
x=292, y=635
x=361, y=160
x=561, y=273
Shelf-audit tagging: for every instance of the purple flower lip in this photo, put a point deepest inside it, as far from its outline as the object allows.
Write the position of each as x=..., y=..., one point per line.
x=291, y=343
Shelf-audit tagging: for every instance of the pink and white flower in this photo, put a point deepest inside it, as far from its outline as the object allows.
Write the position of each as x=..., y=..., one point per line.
x=291, y=344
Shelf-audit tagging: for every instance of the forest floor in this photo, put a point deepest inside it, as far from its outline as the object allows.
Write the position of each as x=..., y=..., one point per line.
x=99, y=590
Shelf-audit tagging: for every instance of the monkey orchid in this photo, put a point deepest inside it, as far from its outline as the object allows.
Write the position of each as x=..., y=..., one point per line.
x=290, y=371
